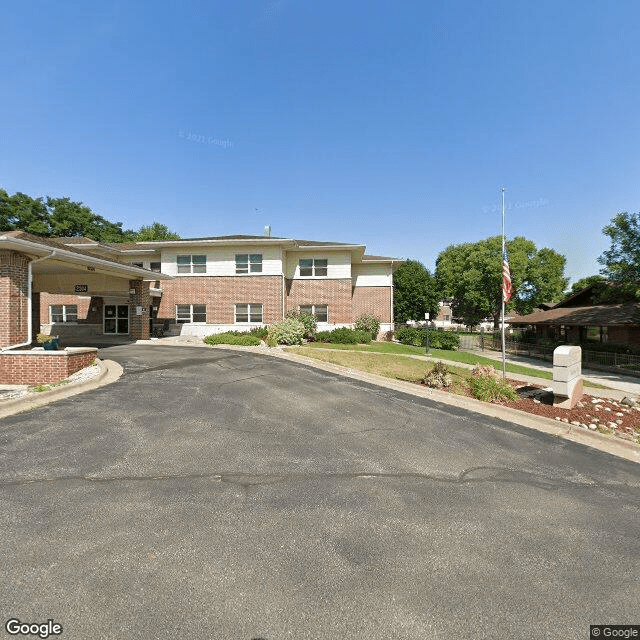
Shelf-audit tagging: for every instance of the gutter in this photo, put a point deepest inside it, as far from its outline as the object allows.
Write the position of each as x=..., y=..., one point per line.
x=30, y=302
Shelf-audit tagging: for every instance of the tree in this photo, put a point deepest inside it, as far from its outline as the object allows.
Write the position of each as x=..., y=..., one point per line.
x=155, y=231
x=414, y=292
x=471, y=274
x=621, y=262
x=61, y=217
x=579, y=285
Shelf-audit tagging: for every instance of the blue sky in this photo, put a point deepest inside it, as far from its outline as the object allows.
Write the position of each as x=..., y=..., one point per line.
x=390, y=124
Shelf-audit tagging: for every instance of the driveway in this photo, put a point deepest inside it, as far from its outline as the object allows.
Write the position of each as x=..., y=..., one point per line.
x=227, y=495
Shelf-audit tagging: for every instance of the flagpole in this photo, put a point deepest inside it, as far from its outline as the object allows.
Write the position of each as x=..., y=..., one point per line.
x=504, y=366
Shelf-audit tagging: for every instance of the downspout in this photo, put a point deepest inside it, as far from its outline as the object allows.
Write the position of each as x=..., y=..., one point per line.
x=29, y=302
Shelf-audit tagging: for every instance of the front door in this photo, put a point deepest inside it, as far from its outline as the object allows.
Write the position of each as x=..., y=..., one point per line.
x=116, y=318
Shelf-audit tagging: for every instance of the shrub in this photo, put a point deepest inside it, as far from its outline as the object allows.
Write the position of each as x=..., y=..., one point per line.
x=370, y=323
x=411, y=336
x=287, y=331
x=344, y=335
x=259, y=332
x=484, y=370
x=233, y=337
x=309, y=321
x=438, y=338
x=489, y=388
x=438, y=377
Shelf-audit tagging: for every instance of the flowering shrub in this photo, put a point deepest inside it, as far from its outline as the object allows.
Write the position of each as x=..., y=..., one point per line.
x=484, y=370
x=287, y=331
x=370, y=323
x=438, y=377
x=310, y=323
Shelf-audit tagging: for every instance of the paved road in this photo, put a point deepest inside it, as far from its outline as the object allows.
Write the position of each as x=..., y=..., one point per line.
x=225, y=495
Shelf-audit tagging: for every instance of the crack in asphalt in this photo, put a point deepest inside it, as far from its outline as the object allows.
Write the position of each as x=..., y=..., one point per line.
x=472, y=475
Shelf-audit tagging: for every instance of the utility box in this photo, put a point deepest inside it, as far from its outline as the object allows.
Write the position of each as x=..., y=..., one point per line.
x=567, y=380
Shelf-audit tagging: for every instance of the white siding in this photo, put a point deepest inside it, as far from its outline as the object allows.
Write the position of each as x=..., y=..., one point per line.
x=338, y=263
x=371, y=275
x=222, y=261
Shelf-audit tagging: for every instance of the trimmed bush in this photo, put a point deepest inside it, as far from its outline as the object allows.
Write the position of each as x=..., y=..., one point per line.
x=344, y=335
x=370, y=323
x=438, y=338
x=438, y=377
x=287, y=331
x=233, y=337
x=310, y=323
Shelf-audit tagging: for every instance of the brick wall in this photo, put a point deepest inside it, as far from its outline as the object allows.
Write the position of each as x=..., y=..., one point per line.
x=334, y=293
x=220, y=294
x=47, y=299
x=14, y=304
x=42, y=367
x=139, y=324
x=375, y=301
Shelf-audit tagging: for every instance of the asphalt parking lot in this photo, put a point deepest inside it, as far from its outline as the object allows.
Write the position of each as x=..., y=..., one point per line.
x=228, y=495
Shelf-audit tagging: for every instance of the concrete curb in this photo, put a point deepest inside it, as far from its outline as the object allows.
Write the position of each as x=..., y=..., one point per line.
x=609, y=444
x=110, y=371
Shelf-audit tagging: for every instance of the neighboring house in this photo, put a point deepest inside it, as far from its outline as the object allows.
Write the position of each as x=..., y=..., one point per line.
x=203, y=285
x=577, y=319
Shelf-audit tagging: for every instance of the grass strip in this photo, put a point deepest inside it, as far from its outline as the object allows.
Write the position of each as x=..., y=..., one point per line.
x=440, y=354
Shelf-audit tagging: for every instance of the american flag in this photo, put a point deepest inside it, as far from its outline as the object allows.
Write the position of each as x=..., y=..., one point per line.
x=507, y=288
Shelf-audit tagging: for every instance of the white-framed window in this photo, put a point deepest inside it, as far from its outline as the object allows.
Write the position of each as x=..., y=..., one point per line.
x=191, y=313
x=155, y=266
x=63, y=312
x=248, y=313
x=313, y=267
x=192, y=264
x=320, y=311
x=248, y=263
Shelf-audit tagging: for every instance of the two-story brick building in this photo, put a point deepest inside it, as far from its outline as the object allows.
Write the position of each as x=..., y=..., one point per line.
x=199, y=285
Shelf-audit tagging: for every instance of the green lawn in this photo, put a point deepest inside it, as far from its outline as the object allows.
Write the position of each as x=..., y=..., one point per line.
x=388, y=365
x=440, y=354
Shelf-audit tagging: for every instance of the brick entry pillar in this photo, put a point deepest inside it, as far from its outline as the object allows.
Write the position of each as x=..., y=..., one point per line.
x=14, y=303
x=35, y=316
x=139, y=324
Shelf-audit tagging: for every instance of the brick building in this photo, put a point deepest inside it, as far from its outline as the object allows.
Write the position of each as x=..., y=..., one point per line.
x=81, y=289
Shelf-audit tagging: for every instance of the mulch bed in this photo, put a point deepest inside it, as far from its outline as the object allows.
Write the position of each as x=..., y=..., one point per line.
x=597, y=414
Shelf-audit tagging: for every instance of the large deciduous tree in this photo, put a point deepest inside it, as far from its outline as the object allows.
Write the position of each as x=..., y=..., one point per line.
x=61, y=217
x=155, y=231
x=621, y=262
x=471, y=275
x=414, y=292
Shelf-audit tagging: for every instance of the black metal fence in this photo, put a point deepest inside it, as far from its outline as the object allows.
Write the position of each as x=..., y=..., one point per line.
x=594, y=359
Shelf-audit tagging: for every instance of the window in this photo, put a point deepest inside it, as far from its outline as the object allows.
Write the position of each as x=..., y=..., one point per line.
x=313, y=267
x=155, y=266
x=320, y=311
x=248, y=263
x=248, y=313
x=192, y=264
x=63, y=312
x=138, y=264
x=191, y=313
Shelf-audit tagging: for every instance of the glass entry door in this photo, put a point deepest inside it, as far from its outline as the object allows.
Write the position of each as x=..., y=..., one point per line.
x=116, y=318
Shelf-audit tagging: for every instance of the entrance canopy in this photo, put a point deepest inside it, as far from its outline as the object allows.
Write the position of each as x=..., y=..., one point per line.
x=30, y=264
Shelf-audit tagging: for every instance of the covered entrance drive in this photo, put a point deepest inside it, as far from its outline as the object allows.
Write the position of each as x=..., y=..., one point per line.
x=106, y=297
